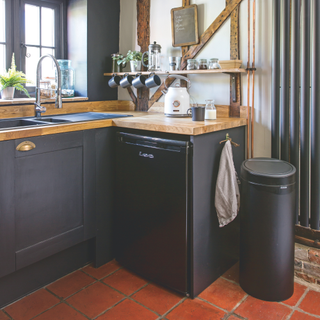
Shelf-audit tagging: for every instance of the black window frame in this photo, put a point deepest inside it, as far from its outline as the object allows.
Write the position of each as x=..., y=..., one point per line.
x=8, y=24
x=15, y=32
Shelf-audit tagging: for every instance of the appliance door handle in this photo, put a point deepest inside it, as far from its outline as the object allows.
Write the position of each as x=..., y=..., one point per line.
x=151, y=142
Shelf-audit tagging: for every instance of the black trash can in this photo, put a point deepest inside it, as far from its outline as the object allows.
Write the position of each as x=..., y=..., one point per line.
x=267, y=228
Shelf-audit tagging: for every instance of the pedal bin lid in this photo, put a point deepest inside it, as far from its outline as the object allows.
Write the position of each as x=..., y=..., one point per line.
x=268, y=171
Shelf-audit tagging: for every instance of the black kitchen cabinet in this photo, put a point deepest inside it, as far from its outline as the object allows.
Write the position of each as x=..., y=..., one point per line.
x=54, y=199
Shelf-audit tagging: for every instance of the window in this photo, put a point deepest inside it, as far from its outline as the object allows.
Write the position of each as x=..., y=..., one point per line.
x=39, y=28
x=3, y=36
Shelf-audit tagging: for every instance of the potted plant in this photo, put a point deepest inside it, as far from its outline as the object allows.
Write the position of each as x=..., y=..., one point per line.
x=11, y=80
x=134, y=57
x=117, y=63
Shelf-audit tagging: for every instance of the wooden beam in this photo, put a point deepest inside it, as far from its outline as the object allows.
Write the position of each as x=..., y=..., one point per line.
x=143, y=26
x=194, y=50
x=184, y=49
x=143, y=33
x=307, y=233
x=307, y=242
x=235, y=79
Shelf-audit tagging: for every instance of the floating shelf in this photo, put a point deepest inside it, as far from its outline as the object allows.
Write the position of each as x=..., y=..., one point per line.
x=234, y=70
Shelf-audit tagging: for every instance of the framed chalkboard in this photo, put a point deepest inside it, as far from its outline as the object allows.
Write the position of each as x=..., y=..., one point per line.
x=184, y=26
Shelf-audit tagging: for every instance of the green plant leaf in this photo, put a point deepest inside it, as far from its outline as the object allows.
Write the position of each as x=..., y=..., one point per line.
x=14, y=78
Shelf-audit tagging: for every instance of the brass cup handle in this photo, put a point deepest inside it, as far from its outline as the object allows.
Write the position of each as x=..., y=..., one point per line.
x=25, y=146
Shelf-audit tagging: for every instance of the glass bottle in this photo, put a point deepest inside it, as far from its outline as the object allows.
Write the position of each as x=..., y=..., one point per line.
x=192, y=64
x=211, y=111
x=203, y=64
x=67, y=78
x=214, y=64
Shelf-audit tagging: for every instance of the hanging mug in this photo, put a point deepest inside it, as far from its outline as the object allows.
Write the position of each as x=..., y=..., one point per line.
x=139, y=81
x=126, y=81
x=153, y=81
x=114, y=81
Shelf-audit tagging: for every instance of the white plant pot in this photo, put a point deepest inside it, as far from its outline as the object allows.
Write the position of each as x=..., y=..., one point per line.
x=135, y=66
x=7, y=93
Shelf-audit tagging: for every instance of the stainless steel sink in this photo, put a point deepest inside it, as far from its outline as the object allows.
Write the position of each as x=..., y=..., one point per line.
x=84, y=116
x=63, y=118
x=52, y=120
x=14, y=123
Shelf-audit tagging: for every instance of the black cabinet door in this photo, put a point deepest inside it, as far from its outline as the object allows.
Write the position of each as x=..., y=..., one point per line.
x=54, y=188
x=7, y=255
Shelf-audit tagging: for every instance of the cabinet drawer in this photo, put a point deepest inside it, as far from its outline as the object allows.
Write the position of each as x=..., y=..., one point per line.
x=50, y=143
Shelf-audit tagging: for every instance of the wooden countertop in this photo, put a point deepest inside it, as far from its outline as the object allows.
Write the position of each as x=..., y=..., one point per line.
x=161, y=123
x=140, y=120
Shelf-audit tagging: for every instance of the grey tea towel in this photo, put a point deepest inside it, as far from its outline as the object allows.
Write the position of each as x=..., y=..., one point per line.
x=227, y=197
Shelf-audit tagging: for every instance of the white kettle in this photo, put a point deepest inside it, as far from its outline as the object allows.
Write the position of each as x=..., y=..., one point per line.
x=177, y=98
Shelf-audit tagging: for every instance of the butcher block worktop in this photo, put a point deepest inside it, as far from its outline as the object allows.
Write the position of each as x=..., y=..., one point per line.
x=161, y=123
x=151, y=121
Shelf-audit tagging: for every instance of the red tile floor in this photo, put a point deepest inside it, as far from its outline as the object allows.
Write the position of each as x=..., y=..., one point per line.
x=113, y=293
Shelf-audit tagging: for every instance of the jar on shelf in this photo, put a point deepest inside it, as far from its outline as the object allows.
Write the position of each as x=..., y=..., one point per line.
x=214, y=63
x=115, y=66
x=203, y=64
x=45, y=86
x=211, y=111
x=67, y=78
x=192, y=64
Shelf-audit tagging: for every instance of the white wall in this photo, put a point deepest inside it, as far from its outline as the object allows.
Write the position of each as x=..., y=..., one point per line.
x=212, y=86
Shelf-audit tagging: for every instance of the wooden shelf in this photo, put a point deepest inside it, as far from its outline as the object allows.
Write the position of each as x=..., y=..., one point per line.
x=234, y=70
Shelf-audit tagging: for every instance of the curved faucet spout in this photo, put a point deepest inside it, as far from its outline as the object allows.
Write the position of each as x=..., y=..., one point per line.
x=58, y=103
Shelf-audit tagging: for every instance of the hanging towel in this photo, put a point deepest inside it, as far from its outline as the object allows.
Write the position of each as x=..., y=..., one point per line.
x=227, y=197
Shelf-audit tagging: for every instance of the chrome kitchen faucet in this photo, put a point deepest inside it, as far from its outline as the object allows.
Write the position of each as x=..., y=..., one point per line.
x=38, y=108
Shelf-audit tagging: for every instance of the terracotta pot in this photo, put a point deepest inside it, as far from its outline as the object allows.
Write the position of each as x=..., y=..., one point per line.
x=7, y=93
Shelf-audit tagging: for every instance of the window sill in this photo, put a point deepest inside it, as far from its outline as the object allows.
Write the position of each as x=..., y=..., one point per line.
x=32, y=100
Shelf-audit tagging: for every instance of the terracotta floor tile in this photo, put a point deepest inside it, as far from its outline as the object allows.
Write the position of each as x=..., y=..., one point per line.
x=61, y=312
x=157, y=298
x=125, y=281
x=31, y=305
x=95, y=299
x=128, y=309
x=311, y=303
x=223, y=293
x=3, y=316
x=70, y=284
x=195, y=310
x=299, y=290
x=232, y=273
x=233, y=317
x=255, y=309
x=301, y=316
x=102, y=271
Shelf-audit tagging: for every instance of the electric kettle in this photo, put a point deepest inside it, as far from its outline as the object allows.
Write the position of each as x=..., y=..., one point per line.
x=177, y=98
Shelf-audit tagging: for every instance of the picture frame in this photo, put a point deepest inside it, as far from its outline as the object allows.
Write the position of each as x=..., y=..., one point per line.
x=184, y=26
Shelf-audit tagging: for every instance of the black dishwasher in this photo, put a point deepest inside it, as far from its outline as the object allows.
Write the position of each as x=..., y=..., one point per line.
x=151, y=209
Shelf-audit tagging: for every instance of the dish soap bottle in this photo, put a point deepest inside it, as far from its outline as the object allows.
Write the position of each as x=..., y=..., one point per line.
x=211, y=111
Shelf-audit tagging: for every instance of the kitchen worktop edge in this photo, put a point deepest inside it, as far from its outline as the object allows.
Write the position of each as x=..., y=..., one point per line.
x=140, y=120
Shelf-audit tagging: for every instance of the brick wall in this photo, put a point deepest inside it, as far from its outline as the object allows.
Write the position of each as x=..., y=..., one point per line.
x=307, y=263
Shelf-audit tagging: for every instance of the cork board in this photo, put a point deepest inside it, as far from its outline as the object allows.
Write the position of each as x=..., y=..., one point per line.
x=184, y=26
